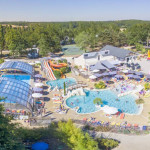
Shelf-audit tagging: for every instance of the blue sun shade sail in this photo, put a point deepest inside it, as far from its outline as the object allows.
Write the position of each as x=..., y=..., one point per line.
x=18, y=65
x=16, y=91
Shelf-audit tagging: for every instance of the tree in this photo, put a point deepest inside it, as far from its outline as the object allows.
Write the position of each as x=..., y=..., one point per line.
x=8, y=137
x=98, y=101
x=82, y=40
x=2, y=39
x=64, y=88
x=44, y=46
x=57, y=74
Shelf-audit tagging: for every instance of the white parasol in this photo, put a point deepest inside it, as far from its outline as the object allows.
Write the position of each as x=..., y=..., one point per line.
x=36, y=95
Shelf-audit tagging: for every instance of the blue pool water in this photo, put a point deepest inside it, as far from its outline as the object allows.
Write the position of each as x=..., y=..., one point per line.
x=25, y=78
x=85, y=103
x=60, y=83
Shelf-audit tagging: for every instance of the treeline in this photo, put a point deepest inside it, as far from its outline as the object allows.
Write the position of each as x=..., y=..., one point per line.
x=49, y=36
x=66, y=134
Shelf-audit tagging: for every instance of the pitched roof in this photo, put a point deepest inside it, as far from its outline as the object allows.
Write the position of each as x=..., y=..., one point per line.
x=107, y=64
x=115, y=51
x=90, y=55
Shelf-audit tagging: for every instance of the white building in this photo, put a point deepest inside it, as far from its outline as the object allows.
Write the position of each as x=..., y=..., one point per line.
x=108, y=52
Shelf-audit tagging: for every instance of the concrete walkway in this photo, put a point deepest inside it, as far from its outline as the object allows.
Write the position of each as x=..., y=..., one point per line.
x=128, y=142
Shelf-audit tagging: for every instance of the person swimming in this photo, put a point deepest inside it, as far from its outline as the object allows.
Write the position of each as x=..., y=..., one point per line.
x=71, y=103
x=77, y=101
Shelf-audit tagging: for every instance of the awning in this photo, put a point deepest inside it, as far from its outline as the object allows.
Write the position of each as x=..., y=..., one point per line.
x=113, y=73
x=139, y=73
x=118, y=76
x=107, y=64
x=97, y=66
x=98, y=75
x=106, y=79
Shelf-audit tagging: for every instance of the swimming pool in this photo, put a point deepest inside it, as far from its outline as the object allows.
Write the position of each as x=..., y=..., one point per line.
x=25, y=78
x=85, y=103
x=60, y=83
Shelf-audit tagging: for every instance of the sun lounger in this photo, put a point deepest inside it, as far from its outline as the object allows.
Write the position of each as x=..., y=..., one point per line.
x=122, y=116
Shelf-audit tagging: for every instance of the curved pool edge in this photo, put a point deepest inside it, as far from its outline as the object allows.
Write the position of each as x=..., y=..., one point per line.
x=132, y=93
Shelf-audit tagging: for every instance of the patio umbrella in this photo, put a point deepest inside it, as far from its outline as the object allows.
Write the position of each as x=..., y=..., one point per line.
x=38, y=84
x=36, y=95
x=36, y=89
x=136, y=77
x=118, y=76
x=130, y=75
x=109, y=110
x=95, y=71
x=38, y=76
x=40, y=146
x=131, y=71
x=125, y=71
x=139, y=73
x=92, y=77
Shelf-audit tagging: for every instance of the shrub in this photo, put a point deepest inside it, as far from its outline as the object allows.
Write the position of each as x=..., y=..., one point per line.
x=1, y=61
x=76, y=67
x=98, y=101
x=102, y=128
x=65, y=70
x=139, y=101
x=147, y=86
x=57, y=74
x=100, y=85
x=107, y=143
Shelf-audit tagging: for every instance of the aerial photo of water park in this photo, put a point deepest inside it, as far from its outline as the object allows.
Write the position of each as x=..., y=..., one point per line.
x=68, y=84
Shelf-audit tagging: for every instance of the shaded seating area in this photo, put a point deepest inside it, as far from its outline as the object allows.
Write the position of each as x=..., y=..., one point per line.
x=108, y=65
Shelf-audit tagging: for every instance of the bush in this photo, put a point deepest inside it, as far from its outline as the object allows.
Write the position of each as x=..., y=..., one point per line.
x=139, y=101
x=147, y=86
x=57, y=74
x=1, y=61
x=107, y=143
x=76, y=67
x=102, y=129
x=65, y=70
x=100, y=85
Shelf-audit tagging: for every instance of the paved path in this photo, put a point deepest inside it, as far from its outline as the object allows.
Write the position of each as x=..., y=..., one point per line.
x=129, y=142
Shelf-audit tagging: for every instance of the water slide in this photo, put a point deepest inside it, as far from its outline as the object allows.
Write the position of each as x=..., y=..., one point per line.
x=60, y=65
x=50, y=73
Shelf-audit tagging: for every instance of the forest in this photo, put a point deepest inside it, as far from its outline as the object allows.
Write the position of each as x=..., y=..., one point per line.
x=49, y=36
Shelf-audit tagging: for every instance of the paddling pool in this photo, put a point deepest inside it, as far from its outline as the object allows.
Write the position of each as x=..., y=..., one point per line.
x=60, y=83
x=85, y=103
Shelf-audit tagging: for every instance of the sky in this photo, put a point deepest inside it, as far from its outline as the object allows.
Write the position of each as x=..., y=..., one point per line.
x=73, y=10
